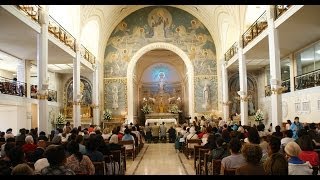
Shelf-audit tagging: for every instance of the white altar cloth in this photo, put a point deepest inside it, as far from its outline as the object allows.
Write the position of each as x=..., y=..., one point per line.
x=159, y=121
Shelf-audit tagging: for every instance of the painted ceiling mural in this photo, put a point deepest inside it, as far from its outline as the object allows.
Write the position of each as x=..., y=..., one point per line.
x=160, y=24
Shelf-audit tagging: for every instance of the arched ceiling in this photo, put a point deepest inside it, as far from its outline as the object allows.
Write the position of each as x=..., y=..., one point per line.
x=209, y=15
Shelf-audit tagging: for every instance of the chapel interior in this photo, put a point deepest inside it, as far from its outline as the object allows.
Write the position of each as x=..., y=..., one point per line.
x=112, y=66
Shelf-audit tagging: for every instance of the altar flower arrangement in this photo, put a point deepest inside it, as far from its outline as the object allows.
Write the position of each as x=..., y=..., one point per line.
x=107, y=114
x=258, y=116
x=146, y=109
x=174, y=109
x=60, y=119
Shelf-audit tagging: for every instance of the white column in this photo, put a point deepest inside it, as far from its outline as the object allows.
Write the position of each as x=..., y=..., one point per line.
x=225, y=92
x=27, y=78
x=95, y=95
x=275, y=69
x=77, y=96
x=243, y=85
x=42, y=68
x=21, y=76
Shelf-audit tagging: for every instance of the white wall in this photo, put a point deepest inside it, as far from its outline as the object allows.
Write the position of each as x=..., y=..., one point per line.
x=6, y=74
x=8, y=118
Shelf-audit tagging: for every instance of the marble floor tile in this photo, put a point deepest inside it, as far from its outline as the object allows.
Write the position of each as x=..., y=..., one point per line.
x=160, y=159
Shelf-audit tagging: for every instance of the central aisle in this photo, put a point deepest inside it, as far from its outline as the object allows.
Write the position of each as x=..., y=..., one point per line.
x=160, y=159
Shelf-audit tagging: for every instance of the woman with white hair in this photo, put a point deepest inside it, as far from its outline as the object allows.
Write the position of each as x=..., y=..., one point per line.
x=29, y=147
x=296, y=166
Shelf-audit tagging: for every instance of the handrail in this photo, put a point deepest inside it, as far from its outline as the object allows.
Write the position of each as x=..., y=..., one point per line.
x=31, y=10
x=255, y=29
x=12, y=87
x=231, y=52
x=60, y=33
x=307, y=80
x=86, y=54
x=280, y=9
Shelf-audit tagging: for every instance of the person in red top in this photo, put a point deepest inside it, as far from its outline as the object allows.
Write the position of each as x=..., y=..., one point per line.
x=29, y=147
x=91, y=128
x=308, y=153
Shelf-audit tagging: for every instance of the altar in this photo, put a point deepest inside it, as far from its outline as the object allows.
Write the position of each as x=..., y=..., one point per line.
x=159, y=121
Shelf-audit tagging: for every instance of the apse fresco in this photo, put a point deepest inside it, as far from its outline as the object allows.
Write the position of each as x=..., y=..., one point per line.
x=159, y=24
x=205, y=93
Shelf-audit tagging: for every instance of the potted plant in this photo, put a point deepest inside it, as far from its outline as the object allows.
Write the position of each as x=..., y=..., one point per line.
x=107, y=115
x=174, y=109
x=258, y=116
x=60, y=121
x=146, y=109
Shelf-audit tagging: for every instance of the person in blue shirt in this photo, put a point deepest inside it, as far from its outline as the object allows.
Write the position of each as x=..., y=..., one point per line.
x=296, y=126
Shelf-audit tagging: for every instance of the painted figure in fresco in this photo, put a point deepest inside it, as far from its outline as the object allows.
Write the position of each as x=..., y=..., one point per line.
x=205, y=95
x=115, y=97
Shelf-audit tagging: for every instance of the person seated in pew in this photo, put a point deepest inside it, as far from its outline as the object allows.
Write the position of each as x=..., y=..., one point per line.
x=236, y=159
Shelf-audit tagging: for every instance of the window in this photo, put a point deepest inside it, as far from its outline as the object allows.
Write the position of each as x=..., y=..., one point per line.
x=308, y=60
x=285, y=70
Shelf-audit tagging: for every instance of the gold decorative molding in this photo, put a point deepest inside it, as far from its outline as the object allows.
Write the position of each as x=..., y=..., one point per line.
x=278, y=90
x=226, y=103
x=244, y=98
x=76, y=103
x=95, y=106
x=42, y=96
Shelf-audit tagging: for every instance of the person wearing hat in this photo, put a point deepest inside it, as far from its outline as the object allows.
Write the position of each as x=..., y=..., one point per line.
x=296, y=166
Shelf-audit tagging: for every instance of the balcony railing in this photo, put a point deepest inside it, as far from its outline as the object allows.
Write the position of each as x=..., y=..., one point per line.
x=285, y=84
x=308, y=80
x=86, y=54
x=280, y=9
x=52, y=95
x=255, y=29
x=60, y=33
x=12, y=87
x=30, y=10
x=231, y=52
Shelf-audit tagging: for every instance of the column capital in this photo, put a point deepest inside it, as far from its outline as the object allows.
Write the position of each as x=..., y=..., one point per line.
x=271, y=11
x=42, y=94
x=43, y=16
x=95, y=106
x=76, y=103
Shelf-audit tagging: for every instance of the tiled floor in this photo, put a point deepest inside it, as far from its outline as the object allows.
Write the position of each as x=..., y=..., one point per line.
x=159, y=159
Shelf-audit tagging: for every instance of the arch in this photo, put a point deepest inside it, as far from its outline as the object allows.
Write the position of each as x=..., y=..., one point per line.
x=234, y=86
x=159, y=45
x=90, y=34
x=87, y=87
